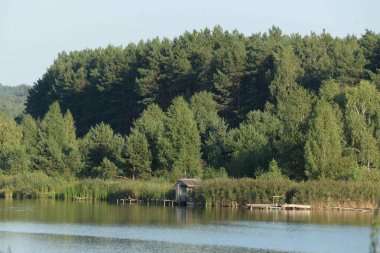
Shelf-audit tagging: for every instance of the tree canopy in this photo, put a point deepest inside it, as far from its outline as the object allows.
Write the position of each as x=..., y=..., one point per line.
x=205, y=103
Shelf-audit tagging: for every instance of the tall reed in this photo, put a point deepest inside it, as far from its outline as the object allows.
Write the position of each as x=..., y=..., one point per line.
x=227, y=192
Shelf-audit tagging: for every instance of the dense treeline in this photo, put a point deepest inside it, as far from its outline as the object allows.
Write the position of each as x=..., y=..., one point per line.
x=12, y=100
x=207, y=103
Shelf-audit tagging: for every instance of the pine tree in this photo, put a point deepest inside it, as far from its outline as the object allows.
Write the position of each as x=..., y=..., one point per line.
x=51, y=136
x=139, y=157
x=180, y=145
x=29, y=134
x=57, y=149
x=100, y=143
x=212, y=128
x=72, y=156
x=151, y=125
x=205, y=110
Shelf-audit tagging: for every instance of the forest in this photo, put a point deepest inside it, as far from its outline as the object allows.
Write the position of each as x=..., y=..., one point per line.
x=209, y=103
x=12, y=100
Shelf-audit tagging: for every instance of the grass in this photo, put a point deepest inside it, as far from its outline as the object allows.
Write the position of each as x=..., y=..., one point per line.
x=231, y=192
x=213, y=192
x=39, y=185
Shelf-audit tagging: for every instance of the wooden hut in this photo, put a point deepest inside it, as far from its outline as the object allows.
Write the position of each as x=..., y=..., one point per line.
x=183, y=189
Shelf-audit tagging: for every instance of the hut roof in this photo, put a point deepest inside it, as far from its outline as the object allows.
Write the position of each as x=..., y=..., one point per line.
x=190, y=182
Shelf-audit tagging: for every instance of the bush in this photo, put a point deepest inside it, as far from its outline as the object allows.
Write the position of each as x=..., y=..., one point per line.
x=210, y=173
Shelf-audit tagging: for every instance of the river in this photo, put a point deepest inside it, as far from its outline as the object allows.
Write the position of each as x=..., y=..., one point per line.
x=57, y=226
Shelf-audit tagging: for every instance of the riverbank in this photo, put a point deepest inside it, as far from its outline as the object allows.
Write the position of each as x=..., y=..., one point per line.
x=215, y=192
x=39, y=185
x=318, y=194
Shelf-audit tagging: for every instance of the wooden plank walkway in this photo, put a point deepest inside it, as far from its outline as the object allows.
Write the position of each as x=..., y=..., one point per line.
x=82, y=198
x=164, y=202
x=295, y=207
x=278, y=207
x=129, y=199
x=349, y=209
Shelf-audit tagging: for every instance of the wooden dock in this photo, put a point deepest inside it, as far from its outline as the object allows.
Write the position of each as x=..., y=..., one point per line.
x=339, y=208
x=278, y=207
x=128, y=200
x=164, y=202
x=82, y=198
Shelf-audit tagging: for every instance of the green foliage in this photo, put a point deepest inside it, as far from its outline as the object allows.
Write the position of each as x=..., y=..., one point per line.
x=336, y=193
x=252, y=145
x=32, y=185
x=212, y=128
x=39, y=185
x=29, y=135
x=12, y=100
x=111, y=84
x=205, y=110
x=293, y=110
x=362, y=109
x=293, y=105
x=180, y=144
x=226, y=192
x=213, y=146
x=370, y=44
x=274, y=172
x=139, y=157
x=245, y=147
x=324, y=147
x=251, y=99
x=57, y=149
x=102, y=149
x=210, y=173
x=106, y=169
x=287, y=71
x=151, y=125
x=229, y=58
x=13, y=158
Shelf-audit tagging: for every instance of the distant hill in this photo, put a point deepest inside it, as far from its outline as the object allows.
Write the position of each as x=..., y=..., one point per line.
x=12, y=100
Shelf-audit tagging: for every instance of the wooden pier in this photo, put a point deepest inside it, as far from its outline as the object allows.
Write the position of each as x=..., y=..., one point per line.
x=339, y=208
x=278, y=207
x=128, y=200
x=82, y=198
x=164, y=202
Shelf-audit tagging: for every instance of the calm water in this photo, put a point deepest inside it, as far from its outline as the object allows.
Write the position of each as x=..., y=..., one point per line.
x=56, y=226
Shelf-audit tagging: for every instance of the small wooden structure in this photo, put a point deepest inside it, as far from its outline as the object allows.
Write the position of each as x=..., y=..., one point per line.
x=82, y=198
x=278, y=207
x=128, y=200
x=183, y=189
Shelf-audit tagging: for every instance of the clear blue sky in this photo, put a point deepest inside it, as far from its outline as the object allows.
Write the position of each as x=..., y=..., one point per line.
x=33, y=32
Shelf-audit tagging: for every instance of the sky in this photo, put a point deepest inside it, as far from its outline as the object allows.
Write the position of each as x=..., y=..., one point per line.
x=32, y=33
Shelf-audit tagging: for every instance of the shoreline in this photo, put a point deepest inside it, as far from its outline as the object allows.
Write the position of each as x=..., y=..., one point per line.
x=224, y=192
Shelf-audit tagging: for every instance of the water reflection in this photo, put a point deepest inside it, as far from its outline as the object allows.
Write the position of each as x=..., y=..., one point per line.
x=51, y=211
x=103, y=227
